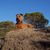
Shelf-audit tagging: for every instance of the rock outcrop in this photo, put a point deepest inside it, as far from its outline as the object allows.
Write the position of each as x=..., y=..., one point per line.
x=26, y=39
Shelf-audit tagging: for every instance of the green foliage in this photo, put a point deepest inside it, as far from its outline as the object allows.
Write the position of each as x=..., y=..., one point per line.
x=5, y=27
x=6, y=24
x=36, y=18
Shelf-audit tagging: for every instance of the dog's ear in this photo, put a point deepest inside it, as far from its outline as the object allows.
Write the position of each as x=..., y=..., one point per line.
x=17, y=15
x=21, y=14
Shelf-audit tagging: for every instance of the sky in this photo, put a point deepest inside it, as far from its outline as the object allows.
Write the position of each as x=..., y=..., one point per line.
x=9, y=8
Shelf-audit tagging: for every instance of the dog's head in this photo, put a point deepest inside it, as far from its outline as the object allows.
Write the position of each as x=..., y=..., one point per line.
x=19, y=18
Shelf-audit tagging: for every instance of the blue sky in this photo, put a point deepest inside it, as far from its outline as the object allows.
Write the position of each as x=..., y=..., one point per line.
x=9, y=8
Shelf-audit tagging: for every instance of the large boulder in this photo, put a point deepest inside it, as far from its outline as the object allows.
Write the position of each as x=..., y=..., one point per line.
x=26, y=39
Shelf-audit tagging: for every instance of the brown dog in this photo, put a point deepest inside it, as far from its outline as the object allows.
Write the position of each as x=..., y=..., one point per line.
x=20, y=24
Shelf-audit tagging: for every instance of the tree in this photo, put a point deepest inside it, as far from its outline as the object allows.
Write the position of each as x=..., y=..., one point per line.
x=7, y=25
x=36, y=18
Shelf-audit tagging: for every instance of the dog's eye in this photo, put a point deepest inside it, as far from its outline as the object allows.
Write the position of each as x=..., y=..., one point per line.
x=19, y=16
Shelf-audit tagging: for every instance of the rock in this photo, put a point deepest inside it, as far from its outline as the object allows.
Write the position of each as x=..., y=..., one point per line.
x=1, y=43
x=26, y=39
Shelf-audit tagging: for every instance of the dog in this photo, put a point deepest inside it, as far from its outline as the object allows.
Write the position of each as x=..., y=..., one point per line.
x=20, y=24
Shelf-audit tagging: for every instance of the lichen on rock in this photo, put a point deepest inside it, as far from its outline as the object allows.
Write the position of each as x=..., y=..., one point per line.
x=25, y=39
